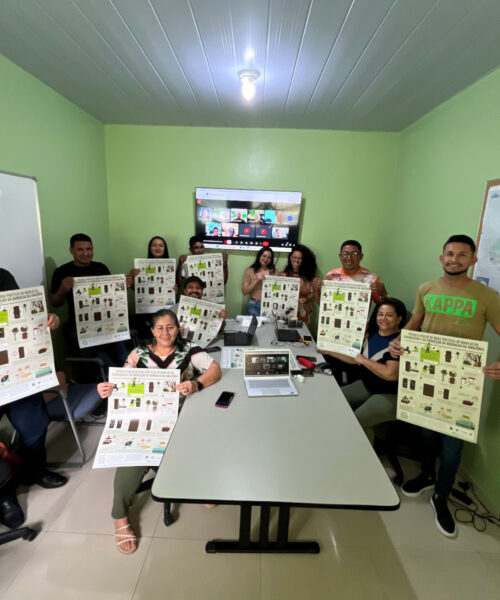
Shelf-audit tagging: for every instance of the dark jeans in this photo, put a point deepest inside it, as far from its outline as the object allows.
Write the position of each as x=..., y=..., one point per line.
x=30, y=419
x=113, y=355
x=339, y=367
x=451, y=451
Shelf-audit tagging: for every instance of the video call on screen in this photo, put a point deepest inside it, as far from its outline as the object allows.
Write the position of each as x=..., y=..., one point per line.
x=266, y=364
x=243, y=225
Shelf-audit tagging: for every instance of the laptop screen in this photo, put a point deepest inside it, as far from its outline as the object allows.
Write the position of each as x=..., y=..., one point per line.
x=267, y=364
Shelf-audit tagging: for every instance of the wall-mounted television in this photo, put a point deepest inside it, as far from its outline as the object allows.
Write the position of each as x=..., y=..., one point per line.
x=247, y=219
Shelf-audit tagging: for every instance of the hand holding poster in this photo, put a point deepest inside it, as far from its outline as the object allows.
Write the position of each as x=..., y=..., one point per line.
x=101, y=311
x=199, y=319
x=142, y=412
x=154, y=284
x=441, y=383
x=343, y=312
x=209, y=268
x=26, y=357
x=280, y=296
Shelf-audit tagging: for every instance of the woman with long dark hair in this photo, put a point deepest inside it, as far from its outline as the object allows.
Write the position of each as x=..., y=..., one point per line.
x=254, y=276
x=157, y=247
x=302, y=264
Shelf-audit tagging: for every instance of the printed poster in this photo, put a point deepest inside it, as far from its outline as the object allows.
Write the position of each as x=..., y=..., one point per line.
x=487, y=268
x=343, y=313
x=142, y=413
x=199, y=319
x=209, y=268
x=101, y=310
x=26, y=357
x=441, y=383
x=154, y=284
x=233, y=358
x=280, y=296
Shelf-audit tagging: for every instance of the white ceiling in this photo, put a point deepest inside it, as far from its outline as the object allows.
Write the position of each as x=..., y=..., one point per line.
x=324, y=64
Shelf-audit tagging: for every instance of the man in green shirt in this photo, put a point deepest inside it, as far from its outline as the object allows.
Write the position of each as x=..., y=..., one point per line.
x=453, y=305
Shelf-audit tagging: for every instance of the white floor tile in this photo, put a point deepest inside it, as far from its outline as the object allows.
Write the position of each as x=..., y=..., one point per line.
x=176, y=569
x=13, y=556
x=80, y=567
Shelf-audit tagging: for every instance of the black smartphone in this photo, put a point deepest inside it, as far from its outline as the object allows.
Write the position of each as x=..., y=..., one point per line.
x=212, y=349
x=224, y=400
x=307, y=339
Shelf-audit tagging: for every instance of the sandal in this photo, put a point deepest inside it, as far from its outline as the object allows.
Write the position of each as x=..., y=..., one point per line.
x=210, y=505
x=127, y=537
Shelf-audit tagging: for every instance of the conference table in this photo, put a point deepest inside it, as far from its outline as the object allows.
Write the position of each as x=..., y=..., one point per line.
x=306, y=450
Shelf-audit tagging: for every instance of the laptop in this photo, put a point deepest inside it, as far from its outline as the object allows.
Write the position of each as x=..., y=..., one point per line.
x=285, y=335
x=241, y=338
x=267, y=373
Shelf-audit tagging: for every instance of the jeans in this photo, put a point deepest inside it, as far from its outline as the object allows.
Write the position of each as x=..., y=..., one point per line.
x=113, y=355
x=451, y=451
x=253, y=307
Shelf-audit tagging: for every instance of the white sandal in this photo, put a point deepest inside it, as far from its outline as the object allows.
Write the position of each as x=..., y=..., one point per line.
x=127, y=537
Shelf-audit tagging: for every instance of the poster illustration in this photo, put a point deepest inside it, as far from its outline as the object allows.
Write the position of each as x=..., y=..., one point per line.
x=209, y=268
x=101, y=310
x=441, y=383
x=154, y=284
x=280, y=296
x=233, y=358
x=26, y=357
x=142, y=413
x=343, y=313
x=487, y=268
x=199, y=319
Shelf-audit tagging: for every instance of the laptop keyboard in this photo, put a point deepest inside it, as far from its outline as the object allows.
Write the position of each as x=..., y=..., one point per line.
x=270, y=385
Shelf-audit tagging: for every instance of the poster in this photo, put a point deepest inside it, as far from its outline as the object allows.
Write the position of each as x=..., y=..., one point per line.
x=154, y=284
x=441, y=383
x=209, y=268
x=26, y=357
x=487, y=268
x=199, y=320
x=101, y=310
x=280, y=296
x=142, y=412
x=343, y=313
x=233, y=358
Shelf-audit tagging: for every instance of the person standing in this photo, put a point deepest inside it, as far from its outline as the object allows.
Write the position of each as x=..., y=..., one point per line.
x=254, y=276
x=458, y=306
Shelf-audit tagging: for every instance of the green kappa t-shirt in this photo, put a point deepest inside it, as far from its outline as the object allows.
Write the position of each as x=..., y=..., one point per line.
x=460, y=312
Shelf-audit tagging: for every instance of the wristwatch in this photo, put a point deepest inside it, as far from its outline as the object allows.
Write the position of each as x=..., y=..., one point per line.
x=200, y=385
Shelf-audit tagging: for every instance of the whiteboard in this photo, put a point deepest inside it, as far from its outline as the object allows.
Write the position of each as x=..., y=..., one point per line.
x=21, y=249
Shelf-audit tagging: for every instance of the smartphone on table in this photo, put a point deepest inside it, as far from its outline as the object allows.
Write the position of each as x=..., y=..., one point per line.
x=224, y=400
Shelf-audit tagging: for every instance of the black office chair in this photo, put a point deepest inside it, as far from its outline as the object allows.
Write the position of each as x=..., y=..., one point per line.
x=400, y=439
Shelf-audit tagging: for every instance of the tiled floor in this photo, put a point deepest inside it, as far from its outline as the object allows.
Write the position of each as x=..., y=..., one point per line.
x=387, y=555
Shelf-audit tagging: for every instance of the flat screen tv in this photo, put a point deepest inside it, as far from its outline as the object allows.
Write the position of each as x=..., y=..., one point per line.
x=247, y=219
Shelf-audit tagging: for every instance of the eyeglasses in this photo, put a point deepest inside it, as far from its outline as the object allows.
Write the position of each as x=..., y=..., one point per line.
x=354, y=254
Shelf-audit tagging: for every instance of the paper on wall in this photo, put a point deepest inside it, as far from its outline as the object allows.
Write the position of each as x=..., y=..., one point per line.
x=26, y=355
x=142, y=412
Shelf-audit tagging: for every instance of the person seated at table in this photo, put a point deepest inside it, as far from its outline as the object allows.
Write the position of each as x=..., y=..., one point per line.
x=197, y=247
x=193, y=288
x=373, y=395
x=198, y=370
x=254, y=276
x=302, y=264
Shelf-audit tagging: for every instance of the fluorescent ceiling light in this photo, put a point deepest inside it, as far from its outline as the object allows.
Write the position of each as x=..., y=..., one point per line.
x=248, y=77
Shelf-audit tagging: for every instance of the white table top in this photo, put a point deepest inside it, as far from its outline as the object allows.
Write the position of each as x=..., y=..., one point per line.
x=301, y=450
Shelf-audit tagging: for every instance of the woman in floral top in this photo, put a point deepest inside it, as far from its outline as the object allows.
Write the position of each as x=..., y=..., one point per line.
x=198, y=370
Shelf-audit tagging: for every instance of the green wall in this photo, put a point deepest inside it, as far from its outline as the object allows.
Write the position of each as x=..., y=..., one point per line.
x=153, y=171
x=445, y=160
x=44, y=135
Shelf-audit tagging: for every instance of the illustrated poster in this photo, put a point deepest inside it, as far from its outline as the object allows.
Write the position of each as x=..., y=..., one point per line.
x=209, y=268
x=233, y=358
x=142, y=412
x=154, y=284
x=487, y=268
x=280, y=296
x=199, y=319
x=441, y=383
x=26, y=357
x=101, y=311
x=343, y=313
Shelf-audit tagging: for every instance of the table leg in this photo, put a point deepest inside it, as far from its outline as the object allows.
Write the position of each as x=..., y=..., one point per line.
x=245, y=545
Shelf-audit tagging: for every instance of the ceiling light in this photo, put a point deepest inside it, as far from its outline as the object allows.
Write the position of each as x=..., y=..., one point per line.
x=248, y=77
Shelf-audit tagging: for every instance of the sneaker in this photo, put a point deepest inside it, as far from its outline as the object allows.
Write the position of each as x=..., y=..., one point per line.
x=415, y=487
x=442, y=516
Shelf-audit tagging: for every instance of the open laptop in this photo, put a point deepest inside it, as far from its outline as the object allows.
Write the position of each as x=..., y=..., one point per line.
x=285, y=335
x=267, y=373
x=241, y=338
